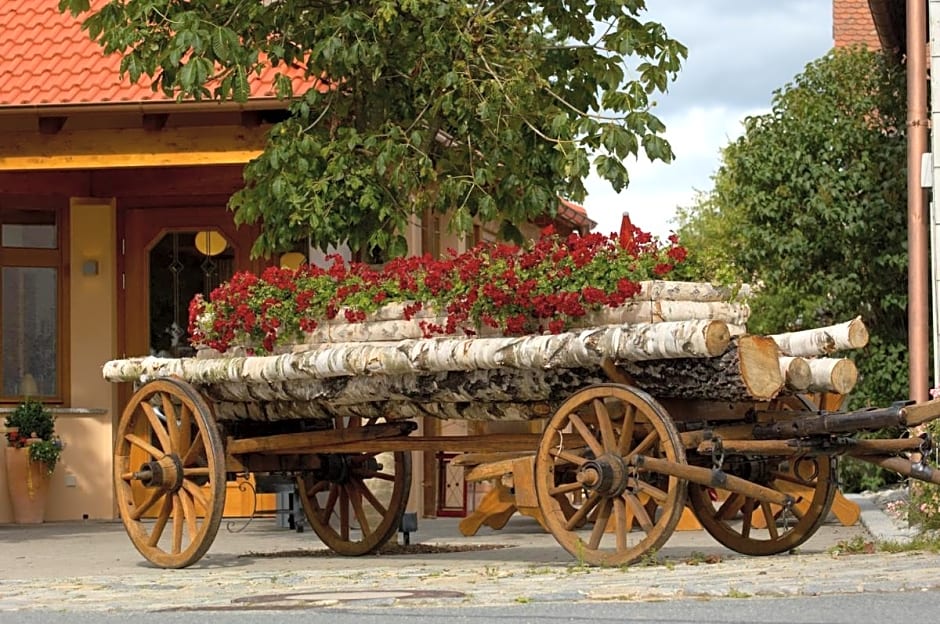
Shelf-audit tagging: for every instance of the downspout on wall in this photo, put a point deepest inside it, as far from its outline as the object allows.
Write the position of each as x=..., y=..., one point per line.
x=917, y=233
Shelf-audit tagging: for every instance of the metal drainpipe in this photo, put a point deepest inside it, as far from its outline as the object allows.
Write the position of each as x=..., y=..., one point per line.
x=918, y=274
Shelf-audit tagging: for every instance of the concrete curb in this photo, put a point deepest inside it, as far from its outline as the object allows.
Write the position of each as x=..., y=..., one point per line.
x=881, y=526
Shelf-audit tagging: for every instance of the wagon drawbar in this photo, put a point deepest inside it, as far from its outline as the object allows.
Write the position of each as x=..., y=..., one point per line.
x=621, y=454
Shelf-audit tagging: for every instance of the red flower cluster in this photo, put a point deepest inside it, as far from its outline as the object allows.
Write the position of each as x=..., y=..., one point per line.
x=541, y=287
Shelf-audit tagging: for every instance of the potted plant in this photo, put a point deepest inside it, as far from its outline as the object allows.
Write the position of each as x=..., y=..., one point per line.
x=33, y=450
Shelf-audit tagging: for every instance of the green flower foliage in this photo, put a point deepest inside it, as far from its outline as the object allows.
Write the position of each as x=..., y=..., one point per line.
x=810, y=204
x=33, y=426
x=489, y=109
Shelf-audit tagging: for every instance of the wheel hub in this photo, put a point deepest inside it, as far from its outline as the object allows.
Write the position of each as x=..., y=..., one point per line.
x=606, y=475
x=165, y=473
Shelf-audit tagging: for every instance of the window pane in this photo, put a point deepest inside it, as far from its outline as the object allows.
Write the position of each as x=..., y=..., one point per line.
x=28, y=228
x=29, y=325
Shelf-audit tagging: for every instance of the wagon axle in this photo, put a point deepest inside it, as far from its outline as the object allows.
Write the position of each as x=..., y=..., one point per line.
x=165, y=473
x=606, y=475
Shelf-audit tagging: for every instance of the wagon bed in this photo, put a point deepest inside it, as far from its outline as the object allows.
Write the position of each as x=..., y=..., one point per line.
x=623, y=450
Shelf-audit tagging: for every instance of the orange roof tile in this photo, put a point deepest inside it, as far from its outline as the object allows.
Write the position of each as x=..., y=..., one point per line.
x=46, y=59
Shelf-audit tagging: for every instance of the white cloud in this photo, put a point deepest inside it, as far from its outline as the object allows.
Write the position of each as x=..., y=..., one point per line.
x=739, y=53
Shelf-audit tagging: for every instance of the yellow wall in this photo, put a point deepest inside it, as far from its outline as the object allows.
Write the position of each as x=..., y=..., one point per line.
x=82, y=482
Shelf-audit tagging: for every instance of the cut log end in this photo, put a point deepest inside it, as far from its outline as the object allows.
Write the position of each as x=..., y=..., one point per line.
x=760, y=366
x=837, y=375
x=797, y=374
x=717, y=338
x=857, y=333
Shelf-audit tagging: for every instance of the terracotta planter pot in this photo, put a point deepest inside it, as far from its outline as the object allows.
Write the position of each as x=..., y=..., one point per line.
x=28, y=483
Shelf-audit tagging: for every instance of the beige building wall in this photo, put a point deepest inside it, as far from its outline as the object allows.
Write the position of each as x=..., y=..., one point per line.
x=81, y=484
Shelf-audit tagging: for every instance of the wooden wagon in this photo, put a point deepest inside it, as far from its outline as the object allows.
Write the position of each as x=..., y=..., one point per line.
x=627, y=444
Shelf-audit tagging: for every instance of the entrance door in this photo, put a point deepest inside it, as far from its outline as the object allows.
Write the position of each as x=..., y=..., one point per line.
x=170, y=255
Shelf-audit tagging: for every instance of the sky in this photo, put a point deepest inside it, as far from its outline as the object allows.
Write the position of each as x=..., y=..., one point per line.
x=740, y=52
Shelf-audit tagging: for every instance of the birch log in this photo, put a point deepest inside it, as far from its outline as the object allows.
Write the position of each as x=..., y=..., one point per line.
x=498, y=385
x=691, y=291
x=632, y=312
x=584, y=349
x=748, y=370
x=261, y=411
x=660, y=311
x=824, y=340
x=838, y=375
x=796, y=372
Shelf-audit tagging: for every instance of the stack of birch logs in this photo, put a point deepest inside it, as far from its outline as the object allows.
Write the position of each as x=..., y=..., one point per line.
x=675, y=340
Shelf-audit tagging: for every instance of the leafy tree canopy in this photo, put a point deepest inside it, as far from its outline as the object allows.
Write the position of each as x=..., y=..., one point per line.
x=809, y=203
x=491, y=109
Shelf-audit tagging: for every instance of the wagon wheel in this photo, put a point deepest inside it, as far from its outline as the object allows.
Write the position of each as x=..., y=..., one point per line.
x=584, y=463
x=354, y=502
x=169, y=450
x=750, y=527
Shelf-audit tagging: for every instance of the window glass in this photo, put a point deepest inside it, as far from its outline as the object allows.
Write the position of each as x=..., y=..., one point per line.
x=29, y=324
x=34, y=229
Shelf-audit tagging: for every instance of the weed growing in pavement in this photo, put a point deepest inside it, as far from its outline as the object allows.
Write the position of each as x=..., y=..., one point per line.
x=737, y=593
x=697, y=558
x=523, y=599
x=929, y=542
x=858, y=545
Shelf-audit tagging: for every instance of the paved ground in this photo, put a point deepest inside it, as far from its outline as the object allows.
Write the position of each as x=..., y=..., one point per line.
x=93, y=566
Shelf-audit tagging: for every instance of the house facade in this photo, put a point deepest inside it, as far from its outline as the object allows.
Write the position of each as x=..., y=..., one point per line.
x=112, y=215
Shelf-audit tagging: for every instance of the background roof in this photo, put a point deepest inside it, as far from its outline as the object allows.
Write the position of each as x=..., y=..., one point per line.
x=46, y=59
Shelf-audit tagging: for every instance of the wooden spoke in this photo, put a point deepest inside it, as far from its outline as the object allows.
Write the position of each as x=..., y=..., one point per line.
x=152, y=497
x=371, y=493
x=590, y=516
x=639, y=512
x=189, y=514
x=177, y=525
x=651, y=438
x=600, y=523
x=315, y=488
x=620, y=522
x=343, y=513
x=606, y=427
x=172, y=427
x=626, y=430
x=197, y=493
x=327, y=510
x=157, y=427
x=582, y=513
x=732, y=506
x=654, y=492
x=162, y=519
x=747, y=517
x=566, y=488
x=355, y=499
x=771, y=519
x=144, y=446
x=194, y=452
x=369, y=496
x=188, y=434
x=586, y=433
x=570, y=458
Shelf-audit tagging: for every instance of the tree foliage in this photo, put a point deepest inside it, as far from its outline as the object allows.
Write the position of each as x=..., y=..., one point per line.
x=489, y=109
x=810, y=203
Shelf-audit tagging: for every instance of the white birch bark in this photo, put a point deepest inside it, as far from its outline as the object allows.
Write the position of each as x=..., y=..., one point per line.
x=824, y=340
x=660, y=311
x=667, y=290
x=837, y=375
x=584, y=349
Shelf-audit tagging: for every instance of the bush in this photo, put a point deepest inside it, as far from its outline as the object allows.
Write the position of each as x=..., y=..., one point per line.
x=33, y=426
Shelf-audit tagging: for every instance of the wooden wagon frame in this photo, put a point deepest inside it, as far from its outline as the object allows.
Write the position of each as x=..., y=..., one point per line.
x=611, y=472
